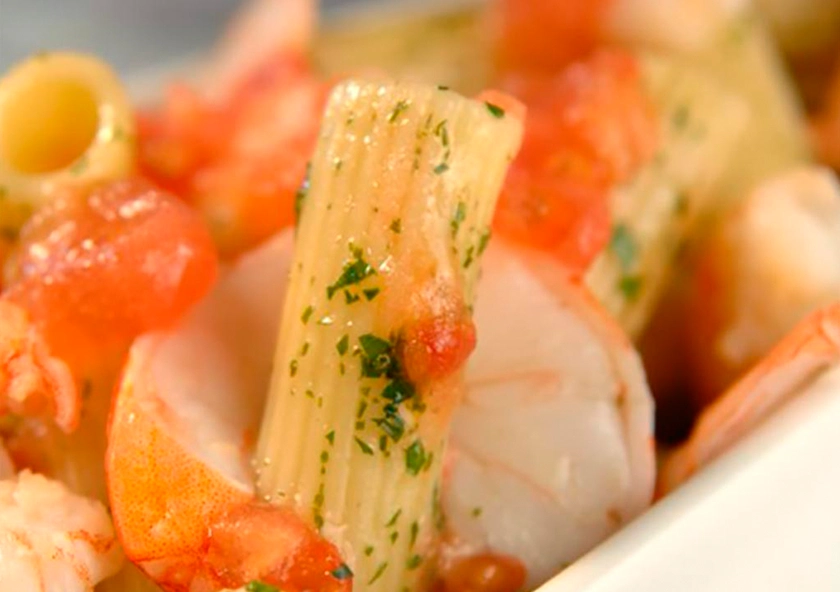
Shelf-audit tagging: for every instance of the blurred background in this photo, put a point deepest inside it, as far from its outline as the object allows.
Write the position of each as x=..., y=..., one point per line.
x=130, y=34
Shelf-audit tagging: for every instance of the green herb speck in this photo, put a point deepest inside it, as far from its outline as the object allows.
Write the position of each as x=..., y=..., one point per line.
x=441, y=168
x=256, y=586
x=307, y=313
x=414, y=562
x=366, y=449
x=623, y=246
x=630, y=286
x=343, y=344
x=342, y=572
x=415, y=457
x=379, y=571
x=396, y=225
x=400, y=108
x=495, y=110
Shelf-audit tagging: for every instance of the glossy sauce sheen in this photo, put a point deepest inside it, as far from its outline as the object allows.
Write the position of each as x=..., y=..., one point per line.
x=588, y=128
x=101, y=267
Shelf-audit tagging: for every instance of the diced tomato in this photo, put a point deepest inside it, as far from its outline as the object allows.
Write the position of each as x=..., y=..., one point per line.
x=103, y=266
x=587, y=129
x=484, y=573
x=242, y=161
x=546, y=35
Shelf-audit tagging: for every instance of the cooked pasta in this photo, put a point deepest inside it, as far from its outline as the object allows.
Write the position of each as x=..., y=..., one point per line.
x=402, y=189
x=65, y=120
x=700, y=123
x=261, y=317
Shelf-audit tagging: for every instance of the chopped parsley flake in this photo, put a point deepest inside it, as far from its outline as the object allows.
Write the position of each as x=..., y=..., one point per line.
x=630, y=286
x=350, y=298
x=415, y=457
x=256, y=586
x=354, y=272
x=441, y=168
x=415, y=530
x=331, y=437
x=414, y=561
x=483, y=242
x=379, y=571
x=302, y=192
x=442, y=87
x=400, y=108
x=366, y=449
x=368, y=551
x=307, y=313
x=623, y=246
x=396, y=226
x=293, y=367
x=370, y=293
x=343, y=344
x=394, y=518
x=459, y=217
x=342, y=572
x=442, y=132
x=476, y=512
x=394, y=536
x=495, y=110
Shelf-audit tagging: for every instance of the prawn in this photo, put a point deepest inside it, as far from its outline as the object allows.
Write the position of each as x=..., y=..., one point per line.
x=551, y=451
x=772, y=261
x=179, y=440
x=52, y=539
x=810, y=350
x=32, y=381
x=189, y=402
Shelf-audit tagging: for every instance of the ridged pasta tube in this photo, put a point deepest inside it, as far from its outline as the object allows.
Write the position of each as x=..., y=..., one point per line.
x=65, y=120
x=700, y=127
x=376, y=323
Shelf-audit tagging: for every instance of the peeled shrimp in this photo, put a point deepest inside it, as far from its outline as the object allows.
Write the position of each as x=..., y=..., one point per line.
x=791, y=368
x=33, y=382
x=770, y=263
x=552, y=449
x=51, y=539
x=179, y=441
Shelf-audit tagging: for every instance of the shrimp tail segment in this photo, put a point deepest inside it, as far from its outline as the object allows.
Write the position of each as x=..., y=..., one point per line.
x=189, y=528
x=810, y=349
x=32, y=381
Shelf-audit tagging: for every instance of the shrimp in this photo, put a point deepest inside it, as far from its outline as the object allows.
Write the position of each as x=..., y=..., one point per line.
x=32, y=381
x=52, y=539
x=551, y=450
x=179, y=439
x=771, y=262
x=791, y=368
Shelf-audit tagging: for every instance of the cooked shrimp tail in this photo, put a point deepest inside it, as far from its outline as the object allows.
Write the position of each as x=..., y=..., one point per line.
x=32, y=381
x=809, y=350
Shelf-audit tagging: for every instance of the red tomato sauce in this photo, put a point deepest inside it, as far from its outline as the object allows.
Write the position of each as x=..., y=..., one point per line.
x=588, y=128
x=239, y=161
x=102, y=266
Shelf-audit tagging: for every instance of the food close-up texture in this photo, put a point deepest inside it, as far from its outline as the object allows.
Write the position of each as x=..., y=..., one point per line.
x=405, y=298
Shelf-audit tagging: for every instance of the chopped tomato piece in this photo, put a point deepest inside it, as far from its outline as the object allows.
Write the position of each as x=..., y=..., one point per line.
x=547, y=35
x=484, y=573
x=588, y=128
x=101, y=267
x=242, y=161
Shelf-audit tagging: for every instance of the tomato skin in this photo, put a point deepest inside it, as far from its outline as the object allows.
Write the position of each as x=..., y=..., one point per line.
x=239, y=161
x=103, y=266
x=588, y=128
x=484, y=573
x=545, y=35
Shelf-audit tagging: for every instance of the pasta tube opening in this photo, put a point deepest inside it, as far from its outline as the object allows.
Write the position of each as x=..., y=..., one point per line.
x=64, y=120
x=377, y=320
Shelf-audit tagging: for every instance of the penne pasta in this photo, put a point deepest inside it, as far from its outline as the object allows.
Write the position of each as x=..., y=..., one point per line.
x=732, y=42
x=700, y=125
x=65, y=120
x=402, y=190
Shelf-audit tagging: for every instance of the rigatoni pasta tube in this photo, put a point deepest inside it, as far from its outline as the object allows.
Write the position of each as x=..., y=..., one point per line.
x=65, y=120
x=376, y=323
x=700, y=125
